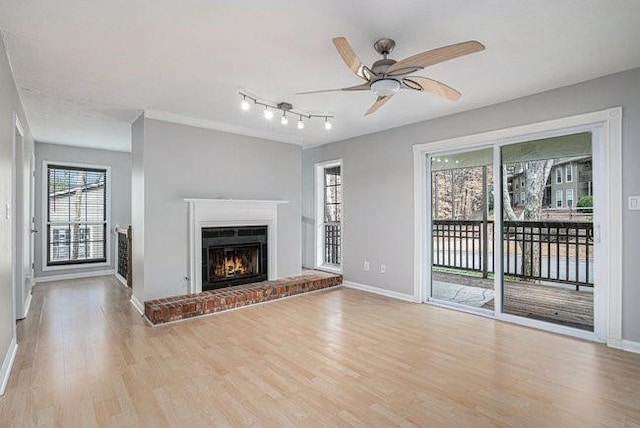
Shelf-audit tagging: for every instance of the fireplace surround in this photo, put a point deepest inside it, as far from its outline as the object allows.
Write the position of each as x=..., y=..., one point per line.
x=229, y=213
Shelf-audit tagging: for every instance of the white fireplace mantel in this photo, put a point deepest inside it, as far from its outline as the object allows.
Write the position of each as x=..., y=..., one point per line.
x=229, y=212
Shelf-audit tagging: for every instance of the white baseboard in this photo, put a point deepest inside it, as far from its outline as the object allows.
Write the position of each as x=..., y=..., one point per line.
x=7, y=363
x=381, y=291
x=137, y=304
x=625, y=345
x=74, y=276
x=120, y=278
x=27, y=305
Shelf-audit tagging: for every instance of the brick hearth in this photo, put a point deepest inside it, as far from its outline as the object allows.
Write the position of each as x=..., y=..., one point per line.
x=192, y=305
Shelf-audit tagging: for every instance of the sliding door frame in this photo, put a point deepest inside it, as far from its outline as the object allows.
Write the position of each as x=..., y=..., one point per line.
x=606, y=128
x=429, y=242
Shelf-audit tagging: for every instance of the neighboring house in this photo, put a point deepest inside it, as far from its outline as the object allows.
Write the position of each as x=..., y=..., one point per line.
x=570, y=179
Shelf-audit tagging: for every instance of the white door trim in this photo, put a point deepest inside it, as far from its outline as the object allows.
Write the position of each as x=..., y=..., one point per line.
x=607, y=128
x=17, y=271
x=319, y=214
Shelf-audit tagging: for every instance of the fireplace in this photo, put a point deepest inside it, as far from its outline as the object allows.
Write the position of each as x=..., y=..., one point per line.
x=233, y=256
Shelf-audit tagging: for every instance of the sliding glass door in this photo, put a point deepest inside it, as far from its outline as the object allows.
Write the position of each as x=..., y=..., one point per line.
x=547, y=230
x=462, y=228
x=534, y=257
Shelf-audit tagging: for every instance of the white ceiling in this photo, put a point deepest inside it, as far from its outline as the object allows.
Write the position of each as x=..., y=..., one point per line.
x=87, y=68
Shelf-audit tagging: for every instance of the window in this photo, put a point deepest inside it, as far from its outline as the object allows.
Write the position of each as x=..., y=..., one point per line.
x=522, y=198
x=559, y=175
x=558, y=198
x=569, y=173
x=569, y=198
x=76, y=216
x=329, y=215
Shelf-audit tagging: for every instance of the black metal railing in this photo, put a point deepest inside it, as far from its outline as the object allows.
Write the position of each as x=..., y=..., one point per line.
x=332, y=243
x=463, y=244
x=556, y=251
x=123, y=264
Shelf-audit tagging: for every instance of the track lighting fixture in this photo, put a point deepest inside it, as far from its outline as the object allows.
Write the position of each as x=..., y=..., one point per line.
x=244, y=105
x=270, y=108
x=327, y=124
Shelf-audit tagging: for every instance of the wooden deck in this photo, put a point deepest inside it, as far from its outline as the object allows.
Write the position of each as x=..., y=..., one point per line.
x=542, y=302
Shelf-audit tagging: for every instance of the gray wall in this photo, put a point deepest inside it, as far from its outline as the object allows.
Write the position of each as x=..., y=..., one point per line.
x=9, y=103
x=378, y=187
x=120, y=163
x=137, y=207
x=180, y=162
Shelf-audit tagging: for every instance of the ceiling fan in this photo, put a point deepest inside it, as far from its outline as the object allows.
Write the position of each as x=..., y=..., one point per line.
x=386, y=76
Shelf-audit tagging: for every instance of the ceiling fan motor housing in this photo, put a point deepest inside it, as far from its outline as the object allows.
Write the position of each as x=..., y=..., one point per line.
x=381, y=66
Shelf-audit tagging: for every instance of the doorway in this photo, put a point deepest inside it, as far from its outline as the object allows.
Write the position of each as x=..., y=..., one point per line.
x=555, y=267
x=24, y=221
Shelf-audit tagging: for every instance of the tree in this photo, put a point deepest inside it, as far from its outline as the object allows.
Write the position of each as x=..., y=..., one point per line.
x=536, y=174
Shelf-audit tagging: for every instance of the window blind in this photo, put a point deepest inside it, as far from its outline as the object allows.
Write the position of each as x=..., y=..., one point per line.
x=76, y=215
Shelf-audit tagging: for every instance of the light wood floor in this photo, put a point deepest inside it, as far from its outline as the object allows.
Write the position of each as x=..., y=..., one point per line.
x=339, y=357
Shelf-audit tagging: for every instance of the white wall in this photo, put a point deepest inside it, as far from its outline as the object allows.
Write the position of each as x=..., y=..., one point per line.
x=378, y=187
x=9, y=103
x=178, y=162
x=120, y=163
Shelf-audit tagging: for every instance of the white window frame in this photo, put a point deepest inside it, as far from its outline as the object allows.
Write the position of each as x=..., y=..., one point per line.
x=573, y=204
x=559, y=175
x=319, y=201
x=45, y=202
x=522, y=198
x=559, y=199
x=606, y=128
x=568, y=173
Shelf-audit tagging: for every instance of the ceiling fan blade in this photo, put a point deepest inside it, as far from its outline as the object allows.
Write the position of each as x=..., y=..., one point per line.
x=363, y=87
x=435, y=56
x=379, y=103
x=419, y=83
x=349, y=57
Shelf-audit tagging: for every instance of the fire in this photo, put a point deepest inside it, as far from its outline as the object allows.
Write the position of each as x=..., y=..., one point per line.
x=234, y=265
x=226, y=263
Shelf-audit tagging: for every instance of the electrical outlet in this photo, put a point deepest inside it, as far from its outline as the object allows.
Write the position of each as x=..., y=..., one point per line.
x=366, y=266
x=634, y=203
x=7, y=210
x=383, y=268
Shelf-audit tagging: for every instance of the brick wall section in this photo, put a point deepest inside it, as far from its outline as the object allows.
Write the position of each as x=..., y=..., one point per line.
x=192, y=305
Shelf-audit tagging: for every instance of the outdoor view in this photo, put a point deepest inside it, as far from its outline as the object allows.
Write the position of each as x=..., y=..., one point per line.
x=547, y=238
x=76, y=215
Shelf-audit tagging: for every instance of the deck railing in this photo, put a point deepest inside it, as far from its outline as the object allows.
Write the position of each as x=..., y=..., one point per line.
x=555, y=251
x=332, y=243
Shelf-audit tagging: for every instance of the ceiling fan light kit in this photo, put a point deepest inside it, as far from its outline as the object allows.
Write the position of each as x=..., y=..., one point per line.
x=387, y=76
x=385, y=87
x=285, y=108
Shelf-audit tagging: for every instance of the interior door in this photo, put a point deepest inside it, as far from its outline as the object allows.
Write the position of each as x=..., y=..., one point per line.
x=29, y=223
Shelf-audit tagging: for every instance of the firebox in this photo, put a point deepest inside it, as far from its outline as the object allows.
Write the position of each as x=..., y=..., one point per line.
x=233, y=256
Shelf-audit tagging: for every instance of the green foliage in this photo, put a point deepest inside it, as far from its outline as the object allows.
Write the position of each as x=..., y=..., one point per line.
x=585, y=202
